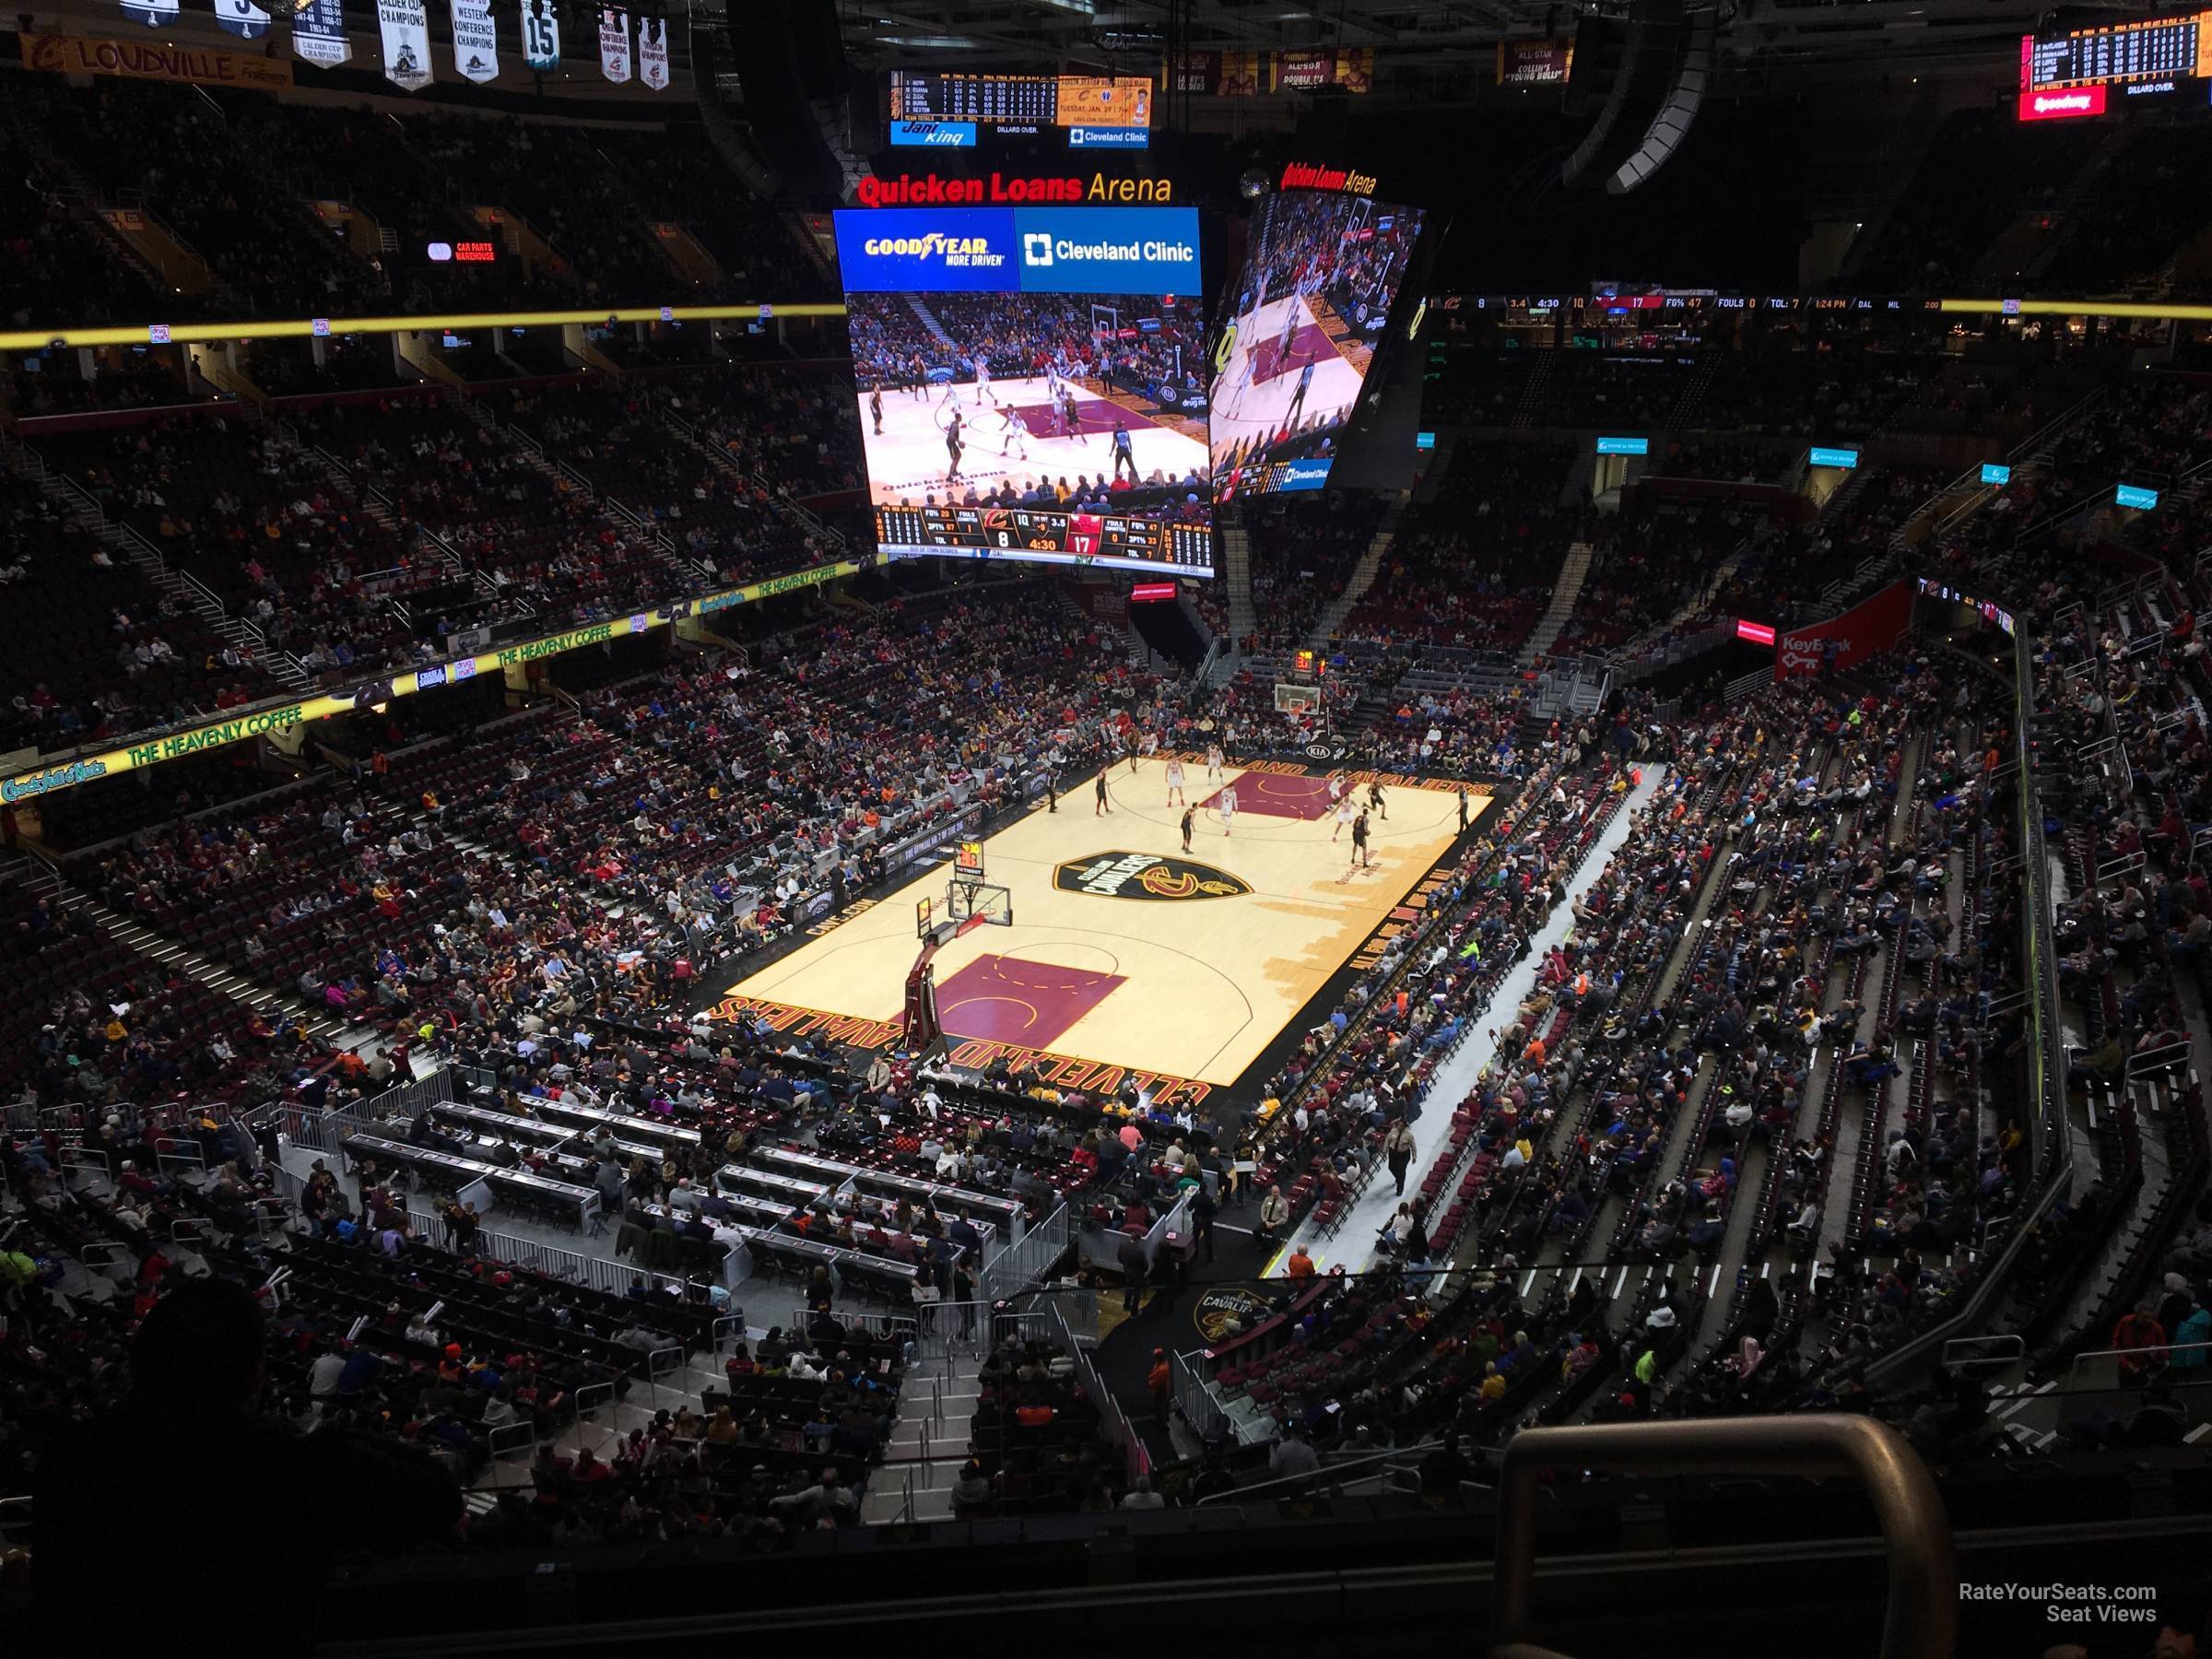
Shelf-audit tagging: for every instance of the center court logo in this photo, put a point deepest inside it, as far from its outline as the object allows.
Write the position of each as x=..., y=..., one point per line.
x=1146, y=876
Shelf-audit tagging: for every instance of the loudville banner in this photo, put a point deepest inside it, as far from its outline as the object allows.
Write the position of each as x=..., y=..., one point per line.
x=319, y=33
x=614, y=43
x=406, y=34
x=1870, y=626
x=146, y=60
x=476, y=41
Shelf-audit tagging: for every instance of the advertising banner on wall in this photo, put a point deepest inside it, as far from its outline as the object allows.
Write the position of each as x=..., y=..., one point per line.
x=1872, y=626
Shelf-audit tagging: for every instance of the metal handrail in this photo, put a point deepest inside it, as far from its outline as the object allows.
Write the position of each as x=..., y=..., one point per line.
x=1922, y=1617
x=1329, y=1474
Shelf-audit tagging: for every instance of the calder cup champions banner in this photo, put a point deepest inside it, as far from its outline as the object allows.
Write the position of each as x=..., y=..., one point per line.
x=319, y=32
x=652, y=52
x=407, y=43
x=476, y=41
x=541, y=35
x=614, y=43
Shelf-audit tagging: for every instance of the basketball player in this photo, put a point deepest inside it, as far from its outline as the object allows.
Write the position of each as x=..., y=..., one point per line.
x=953, y=447
x=1149, y=747
x=982, y=380
x=1071, y=418
x=1101, y=807
x=917, y=375
x=1123, y=450
x=1129, y=746
x=1345, y=810
x=1360, y=858
x=1188, y=814
x=1289, y=336
x=1298, y=398
x=1228, y=810
x=1213, y=763
x=1016, y=431
x=1374, y=801
x=1054, y=386
x=1174, y=782
x=876, y=408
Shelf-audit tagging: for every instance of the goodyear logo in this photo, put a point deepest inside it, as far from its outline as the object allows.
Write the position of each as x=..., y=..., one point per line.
x=1146, y=876
x=934, y=245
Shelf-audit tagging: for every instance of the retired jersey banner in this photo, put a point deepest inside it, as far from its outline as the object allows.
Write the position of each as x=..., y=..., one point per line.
x=614, y=43
x=652, y=52
x=319, y=33
x=541, y=34
x=406, y=34
x=147, y=60
x=152, y=13
x=242, y=19
x=475, y=39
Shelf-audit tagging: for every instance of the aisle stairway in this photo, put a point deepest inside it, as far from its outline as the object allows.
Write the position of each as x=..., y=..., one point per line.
x=929, y=1443
x=1363, y=574
x=1574, y=571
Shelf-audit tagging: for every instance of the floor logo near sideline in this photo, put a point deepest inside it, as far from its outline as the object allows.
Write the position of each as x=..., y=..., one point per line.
x=1225, y=1312
x=1146, y=876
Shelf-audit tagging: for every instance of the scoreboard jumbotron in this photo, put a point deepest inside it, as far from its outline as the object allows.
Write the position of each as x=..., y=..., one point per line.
x=1108, y=540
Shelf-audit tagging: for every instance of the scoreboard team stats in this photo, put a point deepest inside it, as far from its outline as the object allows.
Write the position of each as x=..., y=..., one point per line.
x=1108, y=539
x=1023, y=99
x=2087, y=70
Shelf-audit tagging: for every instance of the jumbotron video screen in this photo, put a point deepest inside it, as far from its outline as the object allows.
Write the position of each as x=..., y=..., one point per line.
x=1325, y=268
x=1030, y=384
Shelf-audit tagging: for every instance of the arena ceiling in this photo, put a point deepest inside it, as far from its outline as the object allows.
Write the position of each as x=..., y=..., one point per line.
x=1418, y=43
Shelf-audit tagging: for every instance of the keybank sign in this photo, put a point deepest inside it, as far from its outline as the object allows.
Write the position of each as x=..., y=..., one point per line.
x=1020, y=250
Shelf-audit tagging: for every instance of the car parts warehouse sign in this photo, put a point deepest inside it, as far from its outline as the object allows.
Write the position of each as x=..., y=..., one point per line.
x=1025, y=250
x=283, y=717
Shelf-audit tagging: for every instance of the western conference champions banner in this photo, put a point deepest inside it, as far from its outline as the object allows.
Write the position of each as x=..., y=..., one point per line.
x=319, y=33
x=152, y=13
x=406, y=34
x=242, y=19
x=541, y=35
x=614, y=43
x=476, y=41
x=652, y=52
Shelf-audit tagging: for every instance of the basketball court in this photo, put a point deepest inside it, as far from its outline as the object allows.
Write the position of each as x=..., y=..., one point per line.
x=908, y=461
x=1092, y=942
x=1258, y=395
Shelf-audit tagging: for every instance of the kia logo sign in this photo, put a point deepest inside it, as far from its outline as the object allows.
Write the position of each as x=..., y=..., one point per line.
x=2069, y=105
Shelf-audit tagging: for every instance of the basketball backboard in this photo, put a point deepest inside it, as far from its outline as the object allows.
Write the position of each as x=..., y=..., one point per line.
x=979, y=904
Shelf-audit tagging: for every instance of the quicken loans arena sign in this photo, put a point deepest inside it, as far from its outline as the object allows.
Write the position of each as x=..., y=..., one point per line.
x=259, y=722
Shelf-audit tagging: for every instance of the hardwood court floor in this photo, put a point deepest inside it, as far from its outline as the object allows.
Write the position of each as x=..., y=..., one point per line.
x=1123, y=951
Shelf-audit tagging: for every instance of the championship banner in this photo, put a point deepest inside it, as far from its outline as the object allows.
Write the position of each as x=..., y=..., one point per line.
x=541, y=35
x=476, y=41
x=406, y=34
x=652, y=52
x=614, y=43
x=319, y=33
x=1535, y=62
x=144, y=60
x=1872, y=626
x=152, y=13
x=242, y=19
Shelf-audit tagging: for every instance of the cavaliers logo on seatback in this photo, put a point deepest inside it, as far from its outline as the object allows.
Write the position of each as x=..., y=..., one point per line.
x=1146, y=876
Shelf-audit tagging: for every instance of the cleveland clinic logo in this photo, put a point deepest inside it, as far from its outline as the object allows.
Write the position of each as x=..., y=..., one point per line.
x=1035, y=248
